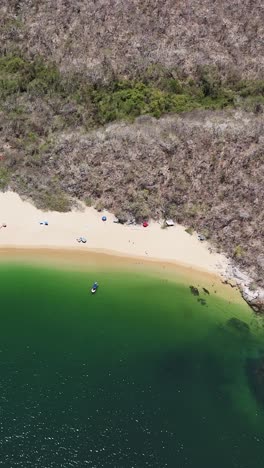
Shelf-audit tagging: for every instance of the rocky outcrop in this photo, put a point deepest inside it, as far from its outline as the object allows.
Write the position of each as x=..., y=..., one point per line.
x=254, y=298
x=251, y=293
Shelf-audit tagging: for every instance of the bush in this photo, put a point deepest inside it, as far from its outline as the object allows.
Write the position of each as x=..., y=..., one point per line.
x=205, y=232
x=12, y=64
x=253, y=104
x=121, y=215
x=99, y=206
x=210, y=81
x=37, y=77
x=88, y=201
x=9, y=86
x=140, y=210
x=174, y=86
x=250, y=88
x=4, y=178
x=155, y=92
x=189, y=230
x=132, y=99
x=238, y=251
x=37, y=87
x=56, y=202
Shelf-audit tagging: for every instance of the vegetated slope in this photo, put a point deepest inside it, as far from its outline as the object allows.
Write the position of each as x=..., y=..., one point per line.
x=121, y=59
x=204, y=169
x=120, y=37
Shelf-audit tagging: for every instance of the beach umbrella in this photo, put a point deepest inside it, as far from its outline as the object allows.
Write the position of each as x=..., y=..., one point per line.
x=145, y=224
x=104, y=218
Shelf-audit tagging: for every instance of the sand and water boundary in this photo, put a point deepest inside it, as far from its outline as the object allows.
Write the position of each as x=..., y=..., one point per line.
x=171, y=253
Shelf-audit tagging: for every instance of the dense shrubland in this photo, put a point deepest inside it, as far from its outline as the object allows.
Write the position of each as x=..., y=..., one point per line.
x=38, y=102
x=154, y=92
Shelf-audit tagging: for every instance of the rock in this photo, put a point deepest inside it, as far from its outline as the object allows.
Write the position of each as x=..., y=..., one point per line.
x=230, y=282
x=238, y=325
x=194, y=291
x=255, y=299
x=131, y=222
x=248, y=294
x=257, y=305
x=254, y=296
x=202, y=301
x=240, y=275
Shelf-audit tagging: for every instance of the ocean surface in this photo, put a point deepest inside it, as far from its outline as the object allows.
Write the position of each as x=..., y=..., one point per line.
x=142, y=374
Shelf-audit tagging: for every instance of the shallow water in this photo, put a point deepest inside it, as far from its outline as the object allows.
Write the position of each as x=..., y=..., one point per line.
x=139, y=375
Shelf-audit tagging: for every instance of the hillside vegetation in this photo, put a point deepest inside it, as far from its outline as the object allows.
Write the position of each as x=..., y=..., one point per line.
x=204, y=169
x=106, y=39
x=147, y=108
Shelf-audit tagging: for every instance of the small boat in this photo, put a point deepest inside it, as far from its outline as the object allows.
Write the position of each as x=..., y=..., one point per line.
x=94, y=288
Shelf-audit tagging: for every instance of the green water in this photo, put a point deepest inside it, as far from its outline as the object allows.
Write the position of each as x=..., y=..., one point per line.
x=139, y=375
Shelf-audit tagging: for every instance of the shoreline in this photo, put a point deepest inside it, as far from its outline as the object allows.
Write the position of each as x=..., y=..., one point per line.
x=173, y=244
x=153, y=248
x=76, y=260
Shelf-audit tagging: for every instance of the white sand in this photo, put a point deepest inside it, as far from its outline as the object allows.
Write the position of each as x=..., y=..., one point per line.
x=172, y=244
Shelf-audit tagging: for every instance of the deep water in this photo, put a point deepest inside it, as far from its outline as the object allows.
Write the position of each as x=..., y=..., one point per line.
x=139, y=375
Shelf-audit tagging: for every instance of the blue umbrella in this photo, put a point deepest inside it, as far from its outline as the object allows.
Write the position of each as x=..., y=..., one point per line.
x=104, y=218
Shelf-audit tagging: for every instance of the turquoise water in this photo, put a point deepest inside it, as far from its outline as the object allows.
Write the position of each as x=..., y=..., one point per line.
x=139, y=375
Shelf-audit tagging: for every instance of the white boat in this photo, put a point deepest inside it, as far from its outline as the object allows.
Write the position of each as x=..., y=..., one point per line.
x=94, y=287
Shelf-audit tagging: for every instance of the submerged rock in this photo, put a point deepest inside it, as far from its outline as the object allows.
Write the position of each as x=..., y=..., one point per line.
x=238, y=325
x=194, y=291
x=202, y=301
x=255, y=374
x=206, y=291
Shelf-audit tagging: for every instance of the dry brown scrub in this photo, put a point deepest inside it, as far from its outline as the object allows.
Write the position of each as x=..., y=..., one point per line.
x=204, y=169
x=108, y=38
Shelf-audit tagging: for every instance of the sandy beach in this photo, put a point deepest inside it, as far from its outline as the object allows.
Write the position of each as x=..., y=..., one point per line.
x=23, y=230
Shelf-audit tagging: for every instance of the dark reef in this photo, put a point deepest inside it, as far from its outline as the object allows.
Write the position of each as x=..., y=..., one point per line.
x=255, y=374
